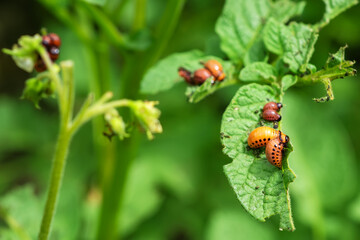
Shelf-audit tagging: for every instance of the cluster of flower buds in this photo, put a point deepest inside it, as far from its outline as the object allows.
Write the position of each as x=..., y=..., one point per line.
x=52, y=44
x=212, y=69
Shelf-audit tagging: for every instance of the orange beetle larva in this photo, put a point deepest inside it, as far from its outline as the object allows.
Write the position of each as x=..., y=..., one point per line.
x=272, y=105
x=186, y=74
x=262, y=135
x=274, y=152
x=215, y=68
x=201, y=75
x=271, y=115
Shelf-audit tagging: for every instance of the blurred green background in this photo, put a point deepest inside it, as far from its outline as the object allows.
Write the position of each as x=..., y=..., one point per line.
x=177, y=188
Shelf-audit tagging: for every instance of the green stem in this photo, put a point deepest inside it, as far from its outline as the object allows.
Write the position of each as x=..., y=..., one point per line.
x=57, y=172
x=108, y=28
x=166, y=28
x=140, y=15
x=116, y=10
x=55, y=78
x=332, y=73
x=136, y=65
x=65, y=99
x=113, y=192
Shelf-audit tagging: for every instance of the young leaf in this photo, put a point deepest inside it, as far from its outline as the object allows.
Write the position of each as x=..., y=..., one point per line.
x=335, y=67
x=261, y=187
x=241, y=22
x=196, y=94
x=300, y=44
x=273, y=36
x=164, y=74
x=258, y=72
x=24, y=53
x=295, y=43
x=37, y=89
x=334, y=8
x=285, y=9
x=288, y=81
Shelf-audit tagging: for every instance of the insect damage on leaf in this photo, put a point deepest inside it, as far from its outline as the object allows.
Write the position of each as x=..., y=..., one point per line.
x=260, y=187
x=335, y=67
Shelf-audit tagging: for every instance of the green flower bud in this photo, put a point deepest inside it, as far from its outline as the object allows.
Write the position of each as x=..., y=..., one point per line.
x=116, y=123
x=37, y=89
x=148, y=116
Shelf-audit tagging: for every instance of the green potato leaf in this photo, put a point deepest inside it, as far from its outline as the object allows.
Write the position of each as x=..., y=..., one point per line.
x=258, y=72
x=287, y=81
x=241, y=23
x=294, y=43
x=164, y=74
x=333, y=8
x=261, y=187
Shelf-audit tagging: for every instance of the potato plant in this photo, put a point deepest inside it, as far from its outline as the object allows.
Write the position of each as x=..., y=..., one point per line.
x=267, y=54
x=106, y=182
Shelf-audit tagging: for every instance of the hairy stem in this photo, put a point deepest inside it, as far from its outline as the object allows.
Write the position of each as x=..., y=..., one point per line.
x=57, y=173
x=65, y=101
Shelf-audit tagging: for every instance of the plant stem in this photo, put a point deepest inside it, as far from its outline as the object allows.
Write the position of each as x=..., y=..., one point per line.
x=136, y=65
x=57, y=172
x=165, y=29
x=65, y=94
x=108, y=28
x=140, y=15
x=113, y=192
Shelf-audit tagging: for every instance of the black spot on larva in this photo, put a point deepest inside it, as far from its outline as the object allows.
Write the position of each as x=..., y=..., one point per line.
x=272, y=153
x=264, y=139
x=277, y=154
x=260, y=140
x=275, y=145
x=272, y=157
x=256, y=141
x=268, y=139
x=278, y=151
x=274, y=149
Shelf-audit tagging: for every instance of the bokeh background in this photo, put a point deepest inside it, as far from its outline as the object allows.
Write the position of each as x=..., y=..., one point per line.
x=176, y=187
